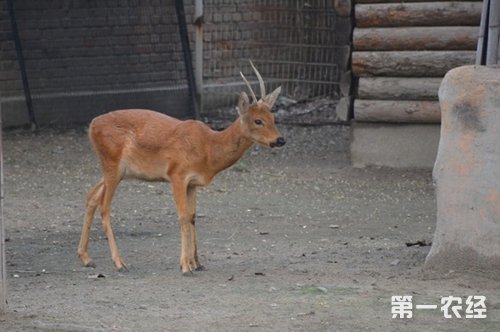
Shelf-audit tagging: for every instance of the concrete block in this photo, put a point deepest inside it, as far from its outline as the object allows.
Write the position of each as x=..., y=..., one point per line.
x=394, y=145
x=467, y=174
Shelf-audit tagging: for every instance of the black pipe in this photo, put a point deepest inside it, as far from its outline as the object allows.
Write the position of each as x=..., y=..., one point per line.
x=484, y=29
x=188, y=63
x=22, y=65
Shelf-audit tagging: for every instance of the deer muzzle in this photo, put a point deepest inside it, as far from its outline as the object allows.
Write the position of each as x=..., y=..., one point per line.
x=279, y=142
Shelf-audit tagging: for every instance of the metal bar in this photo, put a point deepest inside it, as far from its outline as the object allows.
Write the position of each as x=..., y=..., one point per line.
x=482, y=41
x=493, y=33
x=97, y=92
x=3, y=265
x=276, y=62
x=269, y=81
x=198, y=51
x=188, y=62
x=22, y=65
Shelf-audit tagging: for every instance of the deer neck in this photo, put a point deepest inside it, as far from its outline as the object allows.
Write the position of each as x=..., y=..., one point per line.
x=229, y=146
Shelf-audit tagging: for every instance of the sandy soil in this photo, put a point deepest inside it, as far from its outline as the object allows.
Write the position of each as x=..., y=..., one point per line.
x=292, y=239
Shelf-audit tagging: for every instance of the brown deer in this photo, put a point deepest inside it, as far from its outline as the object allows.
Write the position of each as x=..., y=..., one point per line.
x=151, y=146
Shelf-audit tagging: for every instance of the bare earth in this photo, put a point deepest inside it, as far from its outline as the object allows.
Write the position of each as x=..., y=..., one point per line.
x=292, y=239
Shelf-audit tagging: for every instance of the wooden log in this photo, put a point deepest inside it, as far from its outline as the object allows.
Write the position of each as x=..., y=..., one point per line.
x=409, y=63
x=418, y=14
x=399, y=88
x=415, y=38
x=399, y=111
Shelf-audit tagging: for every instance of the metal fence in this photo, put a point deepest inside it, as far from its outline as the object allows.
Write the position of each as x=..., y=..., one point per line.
x=292, y=43
x=82, y=58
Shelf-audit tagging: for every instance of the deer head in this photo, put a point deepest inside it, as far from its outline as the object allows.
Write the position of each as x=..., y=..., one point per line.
x=256, y=117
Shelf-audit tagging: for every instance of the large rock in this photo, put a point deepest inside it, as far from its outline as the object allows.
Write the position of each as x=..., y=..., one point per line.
x=467, y=174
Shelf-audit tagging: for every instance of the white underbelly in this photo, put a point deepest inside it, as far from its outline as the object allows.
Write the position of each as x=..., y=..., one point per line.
x=146, y=172
x=196, y=179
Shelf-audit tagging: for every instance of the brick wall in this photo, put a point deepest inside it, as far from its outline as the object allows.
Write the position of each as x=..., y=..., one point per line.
x=86, y=57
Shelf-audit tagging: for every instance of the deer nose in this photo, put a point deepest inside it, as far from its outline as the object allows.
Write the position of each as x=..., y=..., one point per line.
x=279, y=142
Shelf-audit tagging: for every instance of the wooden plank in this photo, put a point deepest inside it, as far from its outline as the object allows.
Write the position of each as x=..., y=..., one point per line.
x=415, y=38
x=397, y=111
x=409, y=63
x=439, y=13
x=399, y=88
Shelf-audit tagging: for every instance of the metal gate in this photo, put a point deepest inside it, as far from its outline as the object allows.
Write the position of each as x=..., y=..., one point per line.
x=292, y=43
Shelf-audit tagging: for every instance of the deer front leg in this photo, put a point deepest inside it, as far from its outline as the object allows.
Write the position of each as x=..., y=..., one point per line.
x=186, y=219
x=93, y=198
x=110, y=184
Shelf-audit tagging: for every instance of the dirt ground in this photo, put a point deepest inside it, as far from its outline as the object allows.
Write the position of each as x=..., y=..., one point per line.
x=292, y=239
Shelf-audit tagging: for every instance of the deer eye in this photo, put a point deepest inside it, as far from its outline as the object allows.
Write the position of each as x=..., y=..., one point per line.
x=258, y=122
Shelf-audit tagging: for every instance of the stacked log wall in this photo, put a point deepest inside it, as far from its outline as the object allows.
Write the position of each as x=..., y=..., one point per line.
x=402, y=50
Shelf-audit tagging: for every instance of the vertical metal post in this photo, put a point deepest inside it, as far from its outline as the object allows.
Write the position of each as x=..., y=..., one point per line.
x=482, y=41
x=493, y=33
x=488, y=44
x=22, y=65
x=186, y=50
x=198, y=51
x=3, y=265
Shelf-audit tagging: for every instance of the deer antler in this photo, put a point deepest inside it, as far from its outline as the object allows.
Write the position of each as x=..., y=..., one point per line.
x=261, y=81
x=249, y=88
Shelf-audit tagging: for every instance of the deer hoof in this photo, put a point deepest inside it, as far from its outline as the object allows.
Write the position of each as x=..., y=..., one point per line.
x=200, y=268
x=187, y=274
x=121, y=266
x=90, y=264
x=123, y=269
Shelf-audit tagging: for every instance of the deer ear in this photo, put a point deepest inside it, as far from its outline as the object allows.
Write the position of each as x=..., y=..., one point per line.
x=243, y=103
x=270, y=99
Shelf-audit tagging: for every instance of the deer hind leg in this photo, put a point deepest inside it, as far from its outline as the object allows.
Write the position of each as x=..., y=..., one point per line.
x=180, y=191
x=110, y=184
x=193, y=255
x=94, y=197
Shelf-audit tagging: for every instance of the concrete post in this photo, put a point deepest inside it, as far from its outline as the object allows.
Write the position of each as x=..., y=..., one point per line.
x=467, y=174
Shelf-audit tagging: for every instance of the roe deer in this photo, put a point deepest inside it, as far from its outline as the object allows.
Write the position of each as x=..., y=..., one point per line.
x=151, y=146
